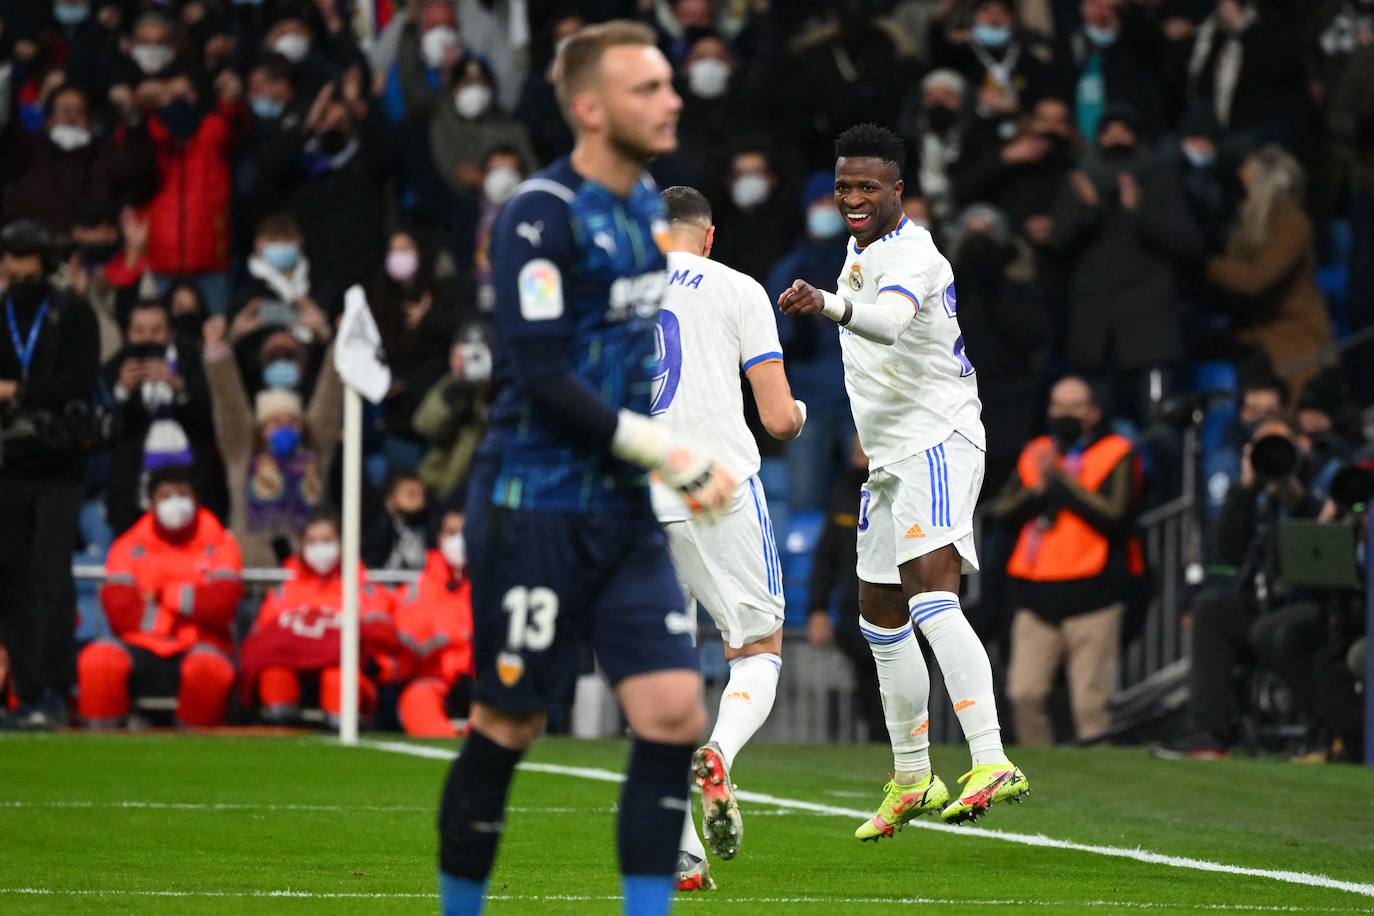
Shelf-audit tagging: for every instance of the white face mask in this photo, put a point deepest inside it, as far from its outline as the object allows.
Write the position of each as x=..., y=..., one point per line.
x=749, y=190
x=472, y=101
x=293, y=46
x=435, y=43
x=321, y=556
x=476, y=362
x=157, y=394
x=151, y=58
x=455, y=550
x=175, y=512
x=708, y=78
x=69, y=137
x=500, y=183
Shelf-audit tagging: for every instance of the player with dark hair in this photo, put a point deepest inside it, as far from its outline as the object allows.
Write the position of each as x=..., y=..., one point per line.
x=915, y=403
x=563, y=543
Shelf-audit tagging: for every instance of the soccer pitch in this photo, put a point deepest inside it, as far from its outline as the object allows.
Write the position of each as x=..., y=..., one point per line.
x=173, y=823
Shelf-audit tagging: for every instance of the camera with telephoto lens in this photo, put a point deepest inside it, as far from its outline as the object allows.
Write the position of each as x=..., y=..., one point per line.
x=1274, y=458
x=76, y=429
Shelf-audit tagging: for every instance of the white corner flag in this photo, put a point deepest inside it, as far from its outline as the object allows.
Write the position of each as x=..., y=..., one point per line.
x=361, y=363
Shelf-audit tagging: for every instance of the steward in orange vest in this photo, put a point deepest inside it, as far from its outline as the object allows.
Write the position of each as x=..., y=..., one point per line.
x=172, y=583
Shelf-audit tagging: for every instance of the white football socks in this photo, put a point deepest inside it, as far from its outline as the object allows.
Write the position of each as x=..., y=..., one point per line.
x=904, y=684
x=968, y=673
x=746, y=703
x=691, y=841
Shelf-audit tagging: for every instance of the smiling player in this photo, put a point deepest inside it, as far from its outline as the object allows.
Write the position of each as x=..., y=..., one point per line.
x=915, y=404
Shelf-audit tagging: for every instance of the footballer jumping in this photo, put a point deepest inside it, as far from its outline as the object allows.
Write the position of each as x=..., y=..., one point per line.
x=915, y=402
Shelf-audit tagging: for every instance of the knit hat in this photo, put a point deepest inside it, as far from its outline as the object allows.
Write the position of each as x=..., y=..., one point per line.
x=273, y=402
x=945, y=78
x=819, y=185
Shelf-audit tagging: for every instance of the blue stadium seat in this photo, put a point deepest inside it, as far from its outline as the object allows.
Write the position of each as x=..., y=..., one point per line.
x=797, y=550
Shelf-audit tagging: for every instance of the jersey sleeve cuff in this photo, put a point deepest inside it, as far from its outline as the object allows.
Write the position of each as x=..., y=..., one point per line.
x=773, y=357
x=901, y=291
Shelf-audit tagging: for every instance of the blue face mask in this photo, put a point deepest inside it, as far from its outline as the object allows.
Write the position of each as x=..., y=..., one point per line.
x=824, y=222
x=267, y=109
x=1103, y=37
x=283, y=441
x=992, y=36
x=281, y=255
x=66, y=14
x=1199, y=159
x=282, y=373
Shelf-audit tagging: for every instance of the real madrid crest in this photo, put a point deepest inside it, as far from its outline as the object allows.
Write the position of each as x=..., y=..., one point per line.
x=856, y=277
x=510, y=667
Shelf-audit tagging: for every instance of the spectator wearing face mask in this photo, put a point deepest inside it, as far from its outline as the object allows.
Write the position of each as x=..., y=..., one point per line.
x=95, y=243
x=814, y=369
x=1005, y=67
x=1114, y=60
x=462, y=132
x=278, y=288
x=171, y=586
x=429, y=46
x=1073, y=500
x=416, y=314
x=52, y=174
x=396, y=538
x=453, y=415
x=277, y=453
x=1022, y=177
x=1261, y=394
x=1123, y=222
x=188, y=220
x=278, y=108
x=84, y=41
x=1246, y=66
x=538, y=107
x=434, y=623
x=502, y=172
x=714, y=105
x=933, y=122
x=159, y=388
x=752, y=231
x=290, y=659
x=319, y=48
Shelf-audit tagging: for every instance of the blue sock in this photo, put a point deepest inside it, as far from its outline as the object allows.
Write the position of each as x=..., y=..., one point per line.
x=648, y=895
x=460, y=896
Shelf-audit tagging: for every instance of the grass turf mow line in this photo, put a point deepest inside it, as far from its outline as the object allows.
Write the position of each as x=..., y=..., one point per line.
x=596, y=898
x=1025, y=839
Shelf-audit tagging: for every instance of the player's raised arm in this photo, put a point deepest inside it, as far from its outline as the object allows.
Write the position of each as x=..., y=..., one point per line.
x=532, y=249
x=881, y=322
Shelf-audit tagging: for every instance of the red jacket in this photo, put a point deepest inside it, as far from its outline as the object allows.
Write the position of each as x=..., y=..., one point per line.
x=435, y=622
x=188, y=220
x=298, y=626
x=166, y=597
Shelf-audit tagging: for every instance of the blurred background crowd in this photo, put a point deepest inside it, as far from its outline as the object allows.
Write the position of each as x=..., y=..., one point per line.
x=1160, y=214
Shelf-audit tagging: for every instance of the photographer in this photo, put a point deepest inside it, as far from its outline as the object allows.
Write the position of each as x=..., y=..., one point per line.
x=1249, y=622
x=49, y=358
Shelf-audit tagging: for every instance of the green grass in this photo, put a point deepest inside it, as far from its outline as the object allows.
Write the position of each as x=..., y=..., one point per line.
x=361, y=821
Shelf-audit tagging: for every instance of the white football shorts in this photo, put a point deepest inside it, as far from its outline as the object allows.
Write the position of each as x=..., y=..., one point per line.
x=918, y=505
x=731, y=567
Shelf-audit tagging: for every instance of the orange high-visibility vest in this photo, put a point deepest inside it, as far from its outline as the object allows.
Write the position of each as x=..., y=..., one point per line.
x=1070, y=548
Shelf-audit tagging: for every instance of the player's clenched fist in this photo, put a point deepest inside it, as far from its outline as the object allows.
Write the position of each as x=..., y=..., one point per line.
x=801, y=298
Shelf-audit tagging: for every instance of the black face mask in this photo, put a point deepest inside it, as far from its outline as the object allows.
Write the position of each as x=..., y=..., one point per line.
x=181, y=118
x=145, y=351
x=979, y=250
x=188, y=327
x=1065, y=431
x=414, y=519
x=1060, y=151
x=96, y=255
x=1117, y=152
x=941, y=118
x=27, y=292
x=332, y=142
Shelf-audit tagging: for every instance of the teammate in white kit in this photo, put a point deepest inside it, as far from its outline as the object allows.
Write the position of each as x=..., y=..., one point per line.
x=915, y=401
x=716, y=323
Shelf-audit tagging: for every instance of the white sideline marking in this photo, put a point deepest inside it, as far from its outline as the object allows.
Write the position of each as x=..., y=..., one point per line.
x=248, y=806
x=687, y=899
x=1025, y=839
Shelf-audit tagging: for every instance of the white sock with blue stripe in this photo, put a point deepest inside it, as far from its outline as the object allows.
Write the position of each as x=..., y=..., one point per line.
x=747, y=701
x=968, y=673
x=904, y=684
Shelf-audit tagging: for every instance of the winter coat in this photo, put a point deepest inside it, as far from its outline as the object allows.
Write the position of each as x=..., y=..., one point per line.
x=188, y=220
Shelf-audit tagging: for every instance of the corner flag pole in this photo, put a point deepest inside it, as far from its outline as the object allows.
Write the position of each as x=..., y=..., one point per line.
x=352, y=524
x=361, y=364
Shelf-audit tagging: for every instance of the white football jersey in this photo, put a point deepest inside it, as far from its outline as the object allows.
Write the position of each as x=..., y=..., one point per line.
x=715, y=322
x=912, y=395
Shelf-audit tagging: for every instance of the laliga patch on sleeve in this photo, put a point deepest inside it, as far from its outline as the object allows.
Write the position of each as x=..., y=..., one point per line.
x=541, y=291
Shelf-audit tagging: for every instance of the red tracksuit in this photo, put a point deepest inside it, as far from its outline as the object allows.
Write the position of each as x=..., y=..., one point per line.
x=297, y=633
x=170, y=601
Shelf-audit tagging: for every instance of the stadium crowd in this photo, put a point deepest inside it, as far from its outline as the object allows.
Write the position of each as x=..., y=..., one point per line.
x=1165, y=206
